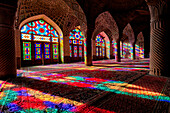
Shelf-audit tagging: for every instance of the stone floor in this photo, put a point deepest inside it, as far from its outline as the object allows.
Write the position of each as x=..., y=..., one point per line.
x=105, y=87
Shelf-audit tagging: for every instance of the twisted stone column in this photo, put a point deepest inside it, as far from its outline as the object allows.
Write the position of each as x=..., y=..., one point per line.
x=159, y=43
x=7, y=40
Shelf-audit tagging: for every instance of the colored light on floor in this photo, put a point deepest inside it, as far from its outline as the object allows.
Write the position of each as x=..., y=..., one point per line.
x=107, y=85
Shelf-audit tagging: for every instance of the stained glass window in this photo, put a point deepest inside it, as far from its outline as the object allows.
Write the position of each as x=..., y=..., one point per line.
x=27, y=28
x=38, y=51
x=97, y=51
x=40, y=27
x=41, y=38
x=137, y=50
x=26, y=50
x=100, y=46
x=70, y=41
x=80, y=51
x=141, y=50
x=55, y=51
x=139, y=46
x=116, y=51
x=130, y=48
x=75, y=51
x=103, y=51
x=53, y=32
x=41, y=31
x=26, y=36
x=76, y=39
x=125, y=49
x=121, y=49
x=70, y=51
x=100, y=51
x=54, y=39
x=113, y=47
x=47, y=50
x=80, y=42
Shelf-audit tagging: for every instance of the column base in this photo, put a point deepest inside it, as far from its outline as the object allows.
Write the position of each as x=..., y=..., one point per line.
x=8, y=76
x=89, y=64
x=158, y=72
x=118, y=60
x=18, y=62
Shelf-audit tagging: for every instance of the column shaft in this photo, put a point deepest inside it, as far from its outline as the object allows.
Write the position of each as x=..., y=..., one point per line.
x=90, y=30
x=159, y=40
x=158, y=49
x=117, y=57
x=7, y=42
x=134, y=52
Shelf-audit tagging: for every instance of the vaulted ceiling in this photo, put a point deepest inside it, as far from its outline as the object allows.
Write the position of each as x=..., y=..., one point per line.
x=70, y=13
x=123, y=11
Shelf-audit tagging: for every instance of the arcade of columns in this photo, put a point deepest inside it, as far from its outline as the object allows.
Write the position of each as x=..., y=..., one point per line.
x=159, y=43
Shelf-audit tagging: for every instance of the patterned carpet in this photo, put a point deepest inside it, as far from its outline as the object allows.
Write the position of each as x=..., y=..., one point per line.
x=76, y=88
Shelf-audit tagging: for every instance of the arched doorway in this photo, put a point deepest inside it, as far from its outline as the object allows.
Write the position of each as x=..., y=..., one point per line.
x=40, y=43
x=76, y=41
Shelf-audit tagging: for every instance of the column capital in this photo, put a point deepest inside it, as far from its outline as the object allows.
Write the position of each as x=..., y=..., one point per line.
x=154, y=2
x=158, y=9
x=7, y=13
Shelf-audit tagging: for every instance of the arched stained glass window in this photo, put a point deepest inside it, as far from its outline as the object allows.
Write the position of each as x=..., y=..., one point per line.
x=125, y=49
x=27, y=50
x=43, y=39
x=139, y=46
x=100, y=46
x=113, y=46
x=76, y=41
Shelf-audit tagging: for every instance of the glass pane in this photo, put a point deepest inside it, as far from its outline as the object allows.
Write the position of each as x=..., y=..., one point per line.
x=27, y=28
x=75, y=51
x=38, y=51
x=47, y=50
x=55, y=51
x=80, y=51
x=70, y=51
x=41, y=38
x=40, y=27
x=26, y=36
x=53, y=32
x=26, y=50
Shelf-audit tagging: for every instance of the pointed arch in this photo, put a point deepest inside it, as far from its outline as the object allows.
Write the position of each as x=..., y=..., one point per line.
x=105, y=21
x=107, y=42
x=51, y=22
x=128, y=41
x=128, y=31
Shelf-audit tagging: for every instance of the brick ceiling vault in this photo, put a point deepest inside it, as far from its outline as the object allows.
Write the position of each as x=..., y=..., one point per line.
x=128, y=31
x=105, y=22
x=110, y=16
x=65, y=14
x=123, y=12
